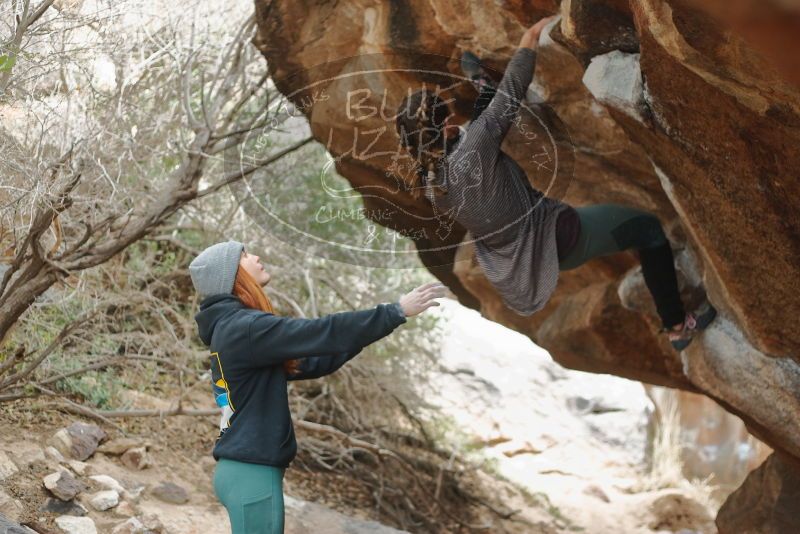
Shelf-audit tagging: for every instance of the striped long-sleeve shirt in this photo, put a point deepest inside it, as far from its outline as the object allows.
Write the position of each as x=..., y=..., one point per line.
x=489, y=194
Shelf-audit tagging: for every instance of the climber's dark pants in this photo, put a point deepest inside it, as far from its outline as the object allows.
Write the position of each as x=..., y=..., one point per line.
x=610, y=228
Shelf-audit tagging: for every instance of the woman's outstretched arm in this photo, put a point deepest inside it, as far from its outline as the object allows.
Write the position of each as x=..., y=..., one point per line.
x=275, y=339
x=319, y=366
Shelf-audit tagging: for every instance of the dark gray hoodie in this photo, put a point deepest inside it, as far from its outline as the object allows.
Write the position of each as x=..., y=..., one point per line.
x=489, y=194
x=248, y=349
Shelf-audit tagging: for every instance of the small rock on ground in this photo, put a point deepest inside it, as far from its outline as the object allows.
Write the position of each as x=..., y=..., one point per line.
x=63, y=485
x=7, y=467
x=10, y=507
x=108, y=483
x=118, y=446
x=8, y=527
x=78, y=441
x=304, y=517
x=131, y=526
x=103, y=500
x=80, y=468
x=57, y=506
x=135, y=458
x=171, y=493
x=76, y=525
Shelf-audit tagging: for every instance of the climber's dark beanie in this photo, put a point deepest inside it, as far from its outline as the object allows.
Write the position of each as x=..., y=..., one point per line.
x=214, y=270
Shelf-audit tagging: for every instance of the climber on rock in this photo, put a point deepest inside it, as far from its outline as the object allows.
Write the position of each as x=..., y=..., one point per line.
x=523, y=238
x=254, y=352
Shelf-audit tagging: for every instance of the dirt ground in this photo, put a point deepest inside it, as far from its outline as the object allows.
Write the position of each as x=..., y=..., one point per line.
x=179, y=451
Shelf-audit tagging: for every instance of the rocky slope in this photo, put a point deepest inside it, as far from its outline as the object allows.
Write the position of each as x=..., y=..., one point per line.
x=63, y=482
x=687, y=108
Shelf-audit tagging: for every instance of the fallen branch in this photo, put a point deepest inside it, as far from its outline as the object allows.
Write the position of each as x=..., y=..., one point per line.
x=77, y=408
x=159, y=413
x=316, y=427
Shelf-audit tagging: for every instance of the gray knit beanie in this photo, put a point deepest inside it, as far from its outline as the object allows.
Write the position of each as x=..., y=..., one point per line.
x=214, y=270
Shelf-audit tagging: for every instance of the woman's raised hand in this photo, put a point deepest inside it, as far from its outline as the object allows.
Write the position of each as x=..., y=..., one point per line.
x=530, y=39
x=422, y=298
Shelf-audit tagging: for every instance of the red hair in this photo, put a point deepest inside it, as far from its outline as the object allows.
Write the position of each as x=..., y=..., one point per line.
x=252, y=296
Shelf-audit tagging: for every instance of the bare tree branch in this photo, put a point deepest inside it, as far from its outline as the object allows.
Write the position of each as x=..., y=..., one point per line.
x=66, y=331
x=235, y=176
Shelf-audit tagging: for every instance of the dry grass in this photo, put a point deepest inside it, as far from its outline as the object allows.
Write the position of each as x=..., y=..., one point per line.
x=667, y=466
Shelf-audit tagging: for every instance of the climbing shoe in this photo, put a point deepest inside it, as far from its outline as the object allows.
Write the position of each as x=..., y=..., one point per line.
x=693, y=323
x=473, y=69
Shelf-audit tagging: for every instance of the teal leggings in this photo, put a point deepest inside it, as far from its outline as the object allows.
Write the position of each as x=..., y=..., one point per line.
x=252, y=494
x=611, y=228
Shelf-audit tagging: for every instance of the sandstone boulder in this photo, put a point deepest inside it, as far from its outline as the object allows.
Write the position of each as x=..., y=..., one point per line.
x=685, y=108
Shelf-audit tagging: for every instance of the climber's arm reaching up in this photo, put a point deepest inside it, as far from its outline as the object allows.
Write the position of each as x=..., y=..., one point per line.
x=503, y=108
